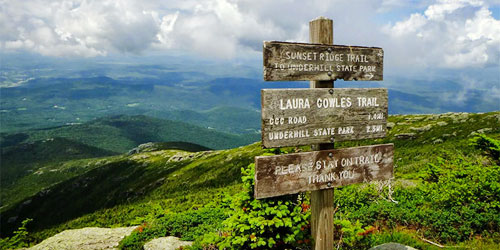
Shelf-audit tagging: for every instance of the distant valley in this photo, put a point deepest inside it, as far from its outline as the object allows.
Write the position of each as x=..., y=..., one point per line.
x=228, y=104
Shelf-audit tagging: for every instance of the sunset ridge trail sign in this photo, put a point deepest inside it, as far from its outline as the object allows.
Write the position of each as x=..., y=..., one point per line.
x=278, y=175
x=292, y=117
x=285, y=61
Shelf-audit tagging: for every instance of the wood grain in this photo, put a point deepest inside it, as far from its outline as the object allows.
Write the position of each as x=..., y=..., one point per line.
x=285, y=61
x=325, y=169
x=322, y=229
x=304, y=122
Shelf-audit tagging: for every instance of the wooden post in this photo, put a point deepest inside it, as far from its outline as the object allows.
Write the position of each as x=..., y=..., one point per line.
x=321, y=31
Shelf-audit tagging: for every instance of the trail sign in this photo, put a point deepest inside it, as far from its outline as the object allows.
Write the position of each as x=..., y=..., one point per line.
x=292, y=117
x=292, y=173
x=285, y=61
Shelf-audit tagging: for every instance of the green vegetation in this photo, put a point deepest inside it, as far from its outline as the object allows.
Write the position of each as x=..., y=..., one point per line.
x=50, y=102
x=187, y=225
x=279, y=222
x=121, y=133
x=446, y=190
x=19, y=239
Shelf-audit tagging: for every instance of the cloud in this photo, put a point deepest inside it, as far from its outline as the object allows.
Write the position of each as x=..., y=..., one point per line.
x=212, y=28
x=448, y=34
x=76, y=28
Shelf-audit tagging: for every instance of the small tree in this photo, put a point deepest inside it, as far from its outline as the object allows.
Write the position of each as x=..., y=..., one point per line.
x=272, y=223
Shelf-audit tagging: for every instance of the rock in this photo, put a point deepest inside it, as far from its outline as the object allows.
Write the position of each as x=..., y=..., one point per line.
x=405, y=136
x=390, y=125
x=437, y=141
x=166, y=243
x=432, y=117
x=392, y=246
x=422, y=129
x=442, y=123
x=89, y=238
x=480, y=131
x=145, y=147
x=12, y=219
x=484, y=130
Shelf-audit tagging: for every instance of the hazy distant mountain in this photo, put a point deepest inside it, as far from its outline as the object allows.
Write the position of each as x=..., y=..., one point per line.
x=228, y=104
x=121, y=133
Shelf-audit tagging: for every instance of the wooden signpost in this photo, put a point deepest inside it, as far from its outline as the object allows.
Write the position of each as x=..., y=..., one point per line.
x=292, y=117
x=320, y=116
x=292, y=173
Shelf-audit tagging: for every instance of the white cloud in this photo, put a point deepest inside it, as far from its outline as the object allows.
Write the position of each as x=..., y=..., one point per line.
x=213, y=28
x=76, y=28
x=449, y=34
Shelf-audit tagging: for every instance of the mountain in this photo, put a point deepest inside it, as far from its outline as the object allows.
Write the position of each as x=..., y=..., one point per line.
x=121, y=133
x=199, y=99
x=122, y=190
x=22, y=158
x=35, y=159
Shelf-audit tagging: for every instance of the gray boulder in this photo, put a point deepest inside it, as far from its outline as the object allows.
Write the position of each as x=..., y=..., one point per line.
x=89, y=238
x=166, y=243
x=392, y=246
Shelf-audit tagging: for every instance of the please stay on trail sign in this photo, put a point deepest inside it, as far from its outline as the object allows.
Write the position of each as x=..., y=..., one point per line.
x=278, y=175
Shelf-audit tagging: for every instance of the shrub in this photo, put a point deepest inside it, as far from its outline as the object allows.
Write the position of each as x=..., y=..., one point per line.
x=187, y=225
x=489, y=145
x=456, y=199
x=19, y=239
x=272, y=223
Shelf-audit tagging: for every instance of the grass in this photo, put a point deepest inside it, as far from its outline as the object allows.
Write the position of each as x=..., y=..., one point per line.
x=123, y=190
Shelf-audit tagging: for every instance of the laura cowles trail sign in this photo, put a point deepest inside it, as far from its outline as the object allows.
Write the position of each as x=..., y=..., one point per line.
x=318, y=115
x=292, y=117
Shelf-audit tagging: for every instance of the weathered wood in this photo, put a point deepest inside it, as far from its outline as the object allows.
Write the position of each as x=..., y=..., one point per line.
x=292, y=117
x=285, y=61
x=322, y=230
x=292, y=173
x=322, y=212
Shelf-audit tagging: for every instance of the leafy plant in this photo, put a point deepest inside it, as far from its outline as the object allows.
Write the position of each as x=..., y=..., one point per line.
x=187, y=225
x=19, y=239
x=489, y=145
x=272, y=223
x=350, y=235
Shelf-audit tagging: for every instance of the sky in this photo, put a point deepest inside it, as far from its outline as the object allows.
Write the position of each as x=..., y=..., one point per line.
x=419, y=37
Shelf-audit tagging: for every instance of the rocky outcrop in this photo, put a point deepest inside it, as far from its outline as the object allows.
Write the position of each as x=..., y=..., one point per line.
x=166, y=243
x=392, y=246
x=405, y=136
x=90, y=238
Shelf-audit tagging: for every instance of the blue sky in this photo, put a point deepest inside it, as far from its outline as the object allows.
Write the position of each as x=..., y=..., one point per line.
x=420, y=37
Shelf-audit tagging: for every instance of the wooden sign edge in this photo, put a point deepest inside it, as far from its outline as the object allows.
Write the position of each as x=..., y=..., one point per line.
x=266, y=43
